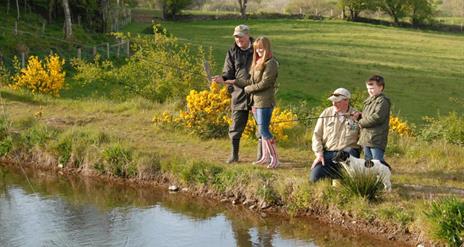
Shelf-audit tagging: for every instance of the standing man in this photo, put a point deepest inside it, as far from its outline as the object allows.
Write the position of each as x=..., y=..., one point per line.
x=237, y=66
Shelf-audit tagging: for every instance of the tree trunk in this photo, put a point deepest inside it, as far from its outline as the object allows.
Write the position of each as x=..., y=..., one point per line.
x=51, y=8
x=104, y=10
x=17, y=9
x=243, y=6
x=67, y=20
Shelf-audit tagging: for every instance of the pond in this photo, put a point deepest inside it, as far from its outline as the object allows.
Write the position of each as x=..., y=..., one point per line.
x=39, y=208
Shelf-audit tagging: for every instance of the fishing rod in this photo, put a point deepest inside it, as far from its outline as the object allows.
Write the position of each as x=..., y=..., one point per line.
x=310, y=118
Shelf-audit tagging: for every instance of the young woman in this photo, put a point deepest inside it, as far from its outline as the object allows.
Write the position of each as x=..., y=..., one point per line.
x=261, y=87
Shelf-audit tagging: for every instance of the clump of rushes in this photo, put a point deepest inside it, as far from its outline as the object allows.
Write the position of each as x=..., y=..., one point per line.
x=117, y=160
x=362, y=184
x=445, y=219
x=74, y=146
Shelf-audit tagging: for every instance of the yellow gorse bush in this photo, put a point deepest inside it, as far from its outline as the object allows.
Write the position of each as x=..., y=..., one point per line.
x=281, y=121
x=207, y=115
x=399, y=126
x=47, y=77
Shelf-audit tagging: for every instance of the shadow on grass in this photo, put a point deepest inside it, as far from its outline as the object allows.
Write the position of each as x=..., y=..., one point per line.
x=95, y=91
x=428, y=191
x=29, y=99
x=431, y=191
x=457, y=176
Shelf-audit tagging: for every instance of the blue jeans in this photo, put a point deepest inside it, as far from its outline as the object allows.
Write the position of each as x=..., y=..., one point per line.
x=373, y=153
x=330, y=169
x=263, y=119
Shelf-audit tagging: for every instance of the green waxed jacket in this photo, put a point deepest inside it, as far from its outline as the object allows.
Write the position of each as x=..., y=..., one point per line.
x=375, y=122
x=262, y=85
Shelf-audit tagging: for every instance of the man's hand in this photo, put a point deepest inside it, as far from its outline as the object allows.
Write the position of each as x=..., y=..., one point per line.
x=218, y=79
x=356, y=116
x=319, y=158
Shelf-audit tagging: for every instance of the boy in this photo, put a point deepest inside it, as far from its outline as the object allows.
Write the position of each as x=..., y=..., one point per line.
x=374, y=122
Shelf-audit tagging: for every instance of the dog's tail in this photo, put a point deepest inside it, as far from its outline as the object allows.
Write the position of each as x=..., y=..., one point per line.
x=385, y=163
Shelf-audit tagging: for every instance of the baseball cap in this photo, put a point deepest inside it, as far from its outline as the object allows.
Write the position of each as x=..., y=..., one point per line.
x=340, y=94
x=241, y=30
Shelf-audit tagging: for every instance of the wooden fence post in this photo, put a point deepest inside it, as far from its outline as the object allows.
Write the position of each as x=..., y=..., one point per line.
x=16, y=28
x=107, y=50
x=118, y=48
x=94, y=51
x=23, y=59
x=79, y=53
x=43, y=27
x=128, y=48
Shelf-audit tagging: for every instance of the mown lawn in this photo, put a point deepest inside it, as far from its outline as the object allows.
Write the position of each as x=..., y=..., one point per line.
x=424, y=70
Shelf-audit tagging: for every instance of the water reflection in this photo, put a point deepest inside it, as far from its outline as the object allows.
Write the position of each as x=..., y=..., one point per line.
x=53, y=210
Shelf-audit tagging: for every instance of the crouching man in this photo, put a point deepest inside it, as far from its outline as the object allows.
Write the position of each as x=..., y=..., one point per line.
x=335, y=131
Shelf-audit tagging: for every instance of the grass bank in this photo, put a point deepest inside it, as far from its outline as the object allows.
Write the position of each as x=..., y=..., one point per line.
x=117, y=139
x=423, y=69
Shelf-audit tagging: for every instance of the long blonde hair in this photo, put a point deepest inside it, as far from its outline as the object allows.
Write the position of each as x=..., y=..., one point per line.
x=264, y=43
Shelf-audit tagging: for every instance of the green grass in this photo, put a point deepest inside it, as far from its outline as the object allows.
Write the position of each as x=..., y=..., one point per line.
x=423, y=69
x=451, y=20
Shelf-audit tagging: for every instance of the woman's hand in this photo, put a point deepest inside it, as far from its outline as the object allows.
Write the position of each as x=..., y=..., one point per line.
x=230, y=82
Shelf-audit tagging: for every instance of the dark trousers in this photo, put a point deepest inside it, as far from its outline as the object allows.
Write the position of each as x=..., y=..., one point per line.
x=330, y=169
x=239, y=121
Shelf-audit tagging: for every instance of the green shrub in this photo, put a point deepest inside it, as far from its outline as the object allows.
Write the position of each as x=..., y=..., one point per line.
x=5, y=75
x=159, y=69
x=362, y=184
x=118, y=161
x=446, y=220
x=449, y=128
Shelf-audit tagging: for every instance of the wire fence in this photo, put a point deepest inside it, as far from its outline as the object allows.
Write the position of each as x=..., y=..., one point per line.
x=118, y=49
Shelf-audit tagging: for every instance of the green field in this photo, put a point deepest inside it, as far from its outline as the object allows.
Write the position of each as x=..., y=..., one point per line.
x=423, y=69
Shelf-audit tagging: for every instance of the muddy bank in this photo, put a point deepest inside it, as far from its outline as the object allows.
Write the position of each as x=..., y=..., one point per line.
x=399, y=235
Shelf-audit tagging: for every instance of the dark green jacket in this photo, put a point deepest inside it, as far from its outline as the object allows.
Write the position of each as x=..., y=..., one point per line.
x=262, y=84
x=375, y=122
x=237, y=66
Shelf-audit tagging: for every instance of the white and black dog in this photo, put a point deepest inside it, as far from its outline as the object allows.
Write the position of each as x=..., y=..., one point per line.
x=353, y=165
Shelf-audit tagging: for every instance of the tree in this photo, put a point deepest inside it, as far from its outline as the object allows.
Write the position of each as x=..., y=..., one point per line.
x=396, y=9
x=355, y=7
x=420, y=11
x=172, y=8
x=243, y=6
x=67, y=19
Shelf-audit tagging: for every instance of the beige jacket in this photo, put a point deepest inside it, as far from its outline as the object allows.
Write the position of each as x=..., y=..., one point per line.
x=262, y=85
x=331, y=134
